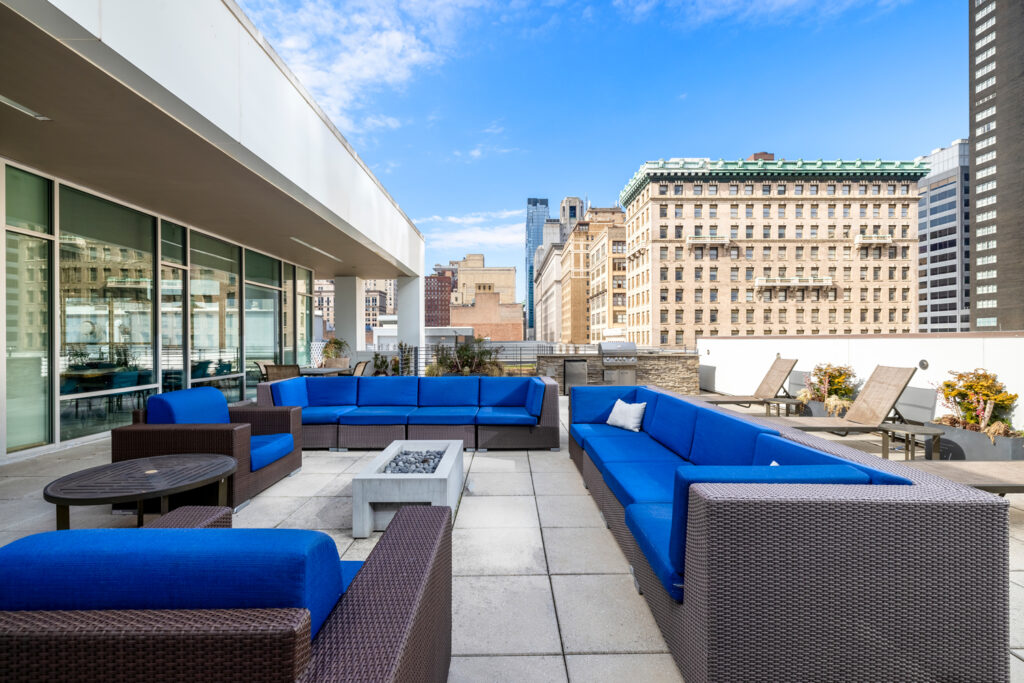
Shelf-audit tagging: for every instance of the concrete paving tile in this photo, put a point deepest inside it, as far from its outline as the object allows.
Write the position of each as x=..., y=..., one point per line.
x=569, y=511
x=559, y=484
x=330, y=464
x=503, y=615
x=476, y=512
x=546, y=461
x=321, y=513
x=583, y=551
x=1017, y=577
x=301, y=484
x=267, y=512
x=546, y=669
x=15, y=488
x=499, y=461
x=499, y=484
x=497, y=551
x=657, y=668
x=604, y=613
x=32, y=514
x=1016, y=668
x=1016, y=616
x=11, y=536
x=1016, y=554
x=359, y=464
x=340, y=485
x=361, y=547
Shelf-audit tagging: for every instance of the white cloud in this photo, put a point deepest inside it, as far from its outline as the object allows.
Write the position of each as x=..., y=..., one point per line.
x=478, y=236
x=473, y=218
x=697, y=12
x=377, y=121
x=493, y=129
x=480, y=151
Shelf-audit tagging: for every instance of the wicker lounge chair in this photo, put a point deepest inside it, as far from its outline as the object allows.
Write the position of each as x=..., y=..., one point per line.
x=394, y=623
x=774, y=381
x=275, y=372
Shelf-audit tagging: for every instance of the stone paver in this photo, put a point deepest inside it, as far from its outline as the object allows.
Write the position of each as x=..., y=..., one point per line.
x=499, y=484
x=569, y=511
x=497, y=551
x=544, y=669
x=501, y=461
x=559, y=484
x=603, y=613
x=654, y=668
x=496, y=615
x=583, y=551
x=496, y=512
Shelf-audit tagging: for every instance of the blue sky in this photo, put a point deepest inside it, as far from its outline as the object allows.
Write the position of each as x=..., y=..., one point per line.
x=464, y=108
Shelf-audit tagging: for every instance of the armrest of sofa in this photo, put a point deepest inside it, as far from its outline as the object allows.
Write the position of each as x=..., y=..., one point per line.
x=143, y=440
x=549, y=407
x=125, y=645
x=271, y=420
x=392, y=630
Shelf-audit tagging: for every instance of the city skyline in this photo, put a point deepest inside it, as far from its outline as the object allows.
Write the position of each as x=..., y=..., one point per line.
x=451, y=137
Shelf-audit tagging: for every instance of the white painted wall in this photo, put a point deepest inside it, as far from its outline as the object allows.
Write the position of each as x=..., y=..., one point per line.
x=740, y=363
x=215, y=63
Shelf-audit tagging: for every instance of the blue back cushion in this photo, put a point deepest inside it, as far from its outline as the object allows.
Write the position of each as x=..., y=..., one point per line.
x=673, y=424
x=202, y=405
x=593, y=405
x=449, y=391
x=290, y=392
x=769, y=449
x=331, y=391
x=503, y=391
x=535, y=396
x=101, y=569
x=722, y=439
x=797, y=474
x=645, y=395
x=388, y=391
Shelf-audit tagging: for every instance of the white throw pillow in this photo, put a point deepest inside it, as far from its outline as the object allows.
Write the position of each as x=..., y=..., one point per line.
x=627, y=415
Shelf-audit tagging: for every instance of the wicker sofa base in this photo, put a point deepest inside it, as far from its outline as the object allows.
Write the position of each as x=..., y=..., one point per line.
x=576, y=455
x=516, y=437
x=464, y=433
x=320, y=437
x=611, y=509
x=369, y=436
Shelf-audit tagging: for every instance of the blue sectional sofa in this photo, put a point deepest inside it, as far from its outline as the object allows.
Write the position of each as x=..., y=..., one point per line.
x=760, y=551
x=371, y=412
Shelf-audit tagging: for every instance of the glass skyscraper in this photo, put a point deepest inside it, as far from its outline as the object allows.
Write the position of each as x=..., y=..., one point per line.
x=536, y=214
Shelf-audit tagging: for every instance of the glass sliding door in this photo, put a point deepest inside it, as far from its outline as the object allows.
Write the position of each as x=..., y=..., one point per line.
x=304, y=314
x=215, y=326
x=172, y=328
x=262, y=317
x=29, y=398
x=288, y=316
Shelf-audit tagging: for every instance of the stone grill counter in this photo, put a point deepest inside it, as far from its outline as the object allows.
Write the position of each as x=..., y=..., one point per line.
x=672, y=371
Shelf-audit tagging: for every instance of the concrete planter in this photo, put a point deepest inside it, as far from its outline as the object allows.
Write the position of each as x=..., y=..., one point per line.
x=817, y=409
x=377, y=495
x=962, y=444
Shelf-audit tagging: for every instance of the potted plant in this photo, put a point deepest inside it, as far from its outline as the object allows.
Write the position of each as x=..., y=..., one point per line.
x=828, y=390
x=334, y=353
x=468, y=358
x=381, y=364
x=978, y=425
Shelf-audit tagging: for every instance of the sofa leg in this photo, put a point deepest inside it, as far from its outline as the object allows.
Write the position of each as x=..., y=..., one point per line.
x=555, y=449
x=295, y=472
x=338, y=450
x=242, y=506
x=481, y=450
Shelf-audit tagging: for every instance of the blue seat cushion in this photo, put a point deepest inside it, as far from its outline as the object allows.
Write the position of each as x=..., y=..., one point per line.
x=673, y=424
x=645, y=395
x=770, y=448
x=324, y=415
x=581, y=431
x=349, y=569
x=444, y=415
x=746, y=474
x=721, y=439
x=637, y=447
x=118, y=569
x=535, y=396
x=504, y=391
x=449, y=391
x=331, y=391
x=291, y=392
x=388, y=391
x=268, y=448
x=377, y=415
x=202, y=405
x=507, y=415
x=593, y=405
x=651, y=526
x=642, y=482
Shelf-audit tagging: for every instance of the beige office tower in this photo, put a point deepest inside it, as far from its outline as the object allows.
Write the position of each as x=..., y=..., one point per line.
x=607, y=296
x=473, y=276
x=576, y=271
x=766, y=247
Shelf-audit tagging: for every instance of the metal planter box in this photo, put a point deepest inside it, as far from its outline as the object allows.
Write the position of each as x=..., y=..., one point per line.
x=962, y=444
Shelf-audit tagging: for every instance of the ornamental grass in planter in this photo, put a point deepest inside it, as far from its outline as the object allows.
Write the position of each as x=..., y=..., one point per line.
x=828, y=390
x=978, y=425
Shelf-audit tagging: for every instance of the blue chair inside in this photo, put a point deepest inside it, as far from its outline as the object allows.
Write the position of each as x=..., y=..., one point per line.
x=201, y=405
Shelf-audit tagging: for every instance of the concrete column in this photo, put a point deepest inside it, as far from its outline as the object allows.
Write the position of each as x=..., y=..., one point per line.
x=350, y=312
x=409, y=309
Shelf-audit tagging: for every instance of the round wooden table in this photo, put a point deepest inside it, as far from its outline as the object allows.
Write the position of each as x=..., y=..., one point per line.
x=139, y=480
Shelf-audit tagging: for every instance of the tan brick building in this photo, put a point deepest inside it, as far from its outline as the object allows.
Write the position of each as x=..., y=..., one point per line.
x=766, y=247
x=473, y=276
x=576, y=273
x=607, y=295
x=490, y=318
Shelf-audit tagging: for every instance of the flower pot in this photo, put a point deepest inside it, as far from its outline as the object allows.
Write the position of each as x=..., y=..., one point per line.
x=340, y=363
x=817, y=409
x=963, y=444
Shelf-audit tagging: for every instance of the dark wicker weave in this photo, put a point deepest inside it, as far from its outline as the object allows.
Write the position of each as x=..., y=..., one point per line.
x=611, y=509
x=393, y=624
x=140, y=440
x=464, y=433
x=369, y=436
x=194, y=517
x=576, y=453
x=314, y=437
x=543, y=435
x=824, y=582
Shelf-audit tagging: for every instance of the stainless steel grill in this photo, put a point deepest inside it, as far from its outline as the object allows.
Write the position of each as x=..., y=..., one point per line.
x=619, y=362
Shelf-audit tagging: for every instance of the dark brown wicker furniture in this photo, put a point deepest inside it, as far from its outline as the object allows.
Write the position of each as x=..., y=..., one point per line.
x=194, y=517
x=275, y=372
x=393, y=624
x=542, y=435
x=135, y=481
x=140, y=440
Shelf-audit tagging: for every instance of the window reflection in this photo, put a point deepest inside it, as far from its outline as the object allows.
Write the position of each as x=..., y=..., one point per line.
x=215, y=326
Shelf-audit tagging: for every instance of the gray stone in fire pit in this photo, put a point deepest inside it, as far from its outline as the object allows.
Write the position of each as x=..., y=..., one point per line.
x=414, y=462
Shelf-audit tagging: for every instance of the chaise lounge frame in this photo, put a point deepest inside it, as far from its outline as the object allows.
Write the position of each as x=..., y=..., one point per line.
x=774, y=381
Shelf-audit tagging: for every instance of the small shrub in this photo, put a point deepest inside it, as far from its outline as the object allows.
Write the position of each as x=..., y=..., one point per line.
x=468, y=358
x=979, y=402
x=335, y=348
x=828, y=380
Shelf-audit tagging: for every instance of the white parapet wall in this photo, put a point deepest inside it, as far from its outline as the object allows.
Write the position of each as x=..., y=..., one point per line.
x=735, y=365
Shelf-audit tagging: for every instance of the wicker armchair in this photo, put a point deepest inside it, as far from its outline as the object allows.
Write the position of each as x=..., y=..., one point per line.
x=276, y=372
x=394, y=623
x=140, y=440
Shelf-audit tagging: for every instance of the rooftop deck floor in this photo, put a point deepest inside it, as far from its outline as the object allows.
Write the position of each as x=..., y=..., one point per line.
x=541, y=590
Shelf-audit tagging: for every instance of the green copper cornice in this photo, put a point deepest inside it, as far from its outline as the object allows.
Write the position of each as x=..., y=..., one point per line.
x=691, y=169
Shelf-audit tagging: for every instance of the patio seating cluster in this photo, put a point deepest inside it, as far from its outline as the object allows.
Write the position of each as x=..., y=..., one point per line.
x=371, y=412
x=768, y=554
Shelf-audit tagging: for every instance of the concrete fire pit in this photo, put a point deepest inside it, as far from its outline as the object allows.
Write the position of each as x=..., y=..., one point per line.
x=377, y=494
